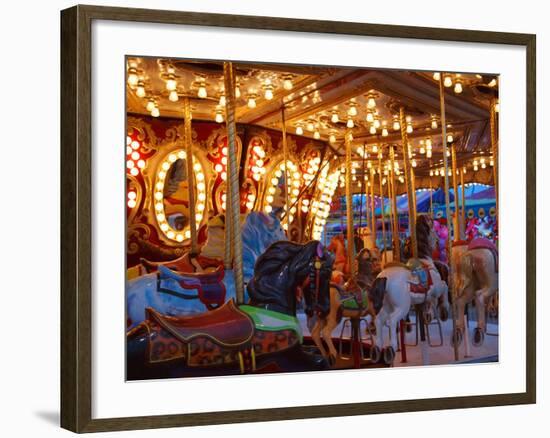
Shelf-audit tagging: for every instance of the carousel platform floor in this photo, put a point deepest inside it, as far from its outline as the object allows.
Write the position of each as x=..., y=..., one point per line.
x=439, y=355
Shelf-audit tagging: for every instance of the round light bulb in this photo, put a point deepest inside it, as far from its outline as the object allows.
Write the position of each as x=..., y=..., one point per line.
x=173, y=96
x=202, y=92
x=458, y=88
x=448, y=81
x=409, y=128
x=372, y=129
x=332, y=138
x=370, y=117
x=219, y=117
x=334, y=118
x=384, y=132
x=155, y=112
x=140, y=90
x=287, y=84
x=222, y=100
x=396, y=125
x=371, y=103
x=133, y=78
x=434, y=124
x=268, y=94
x=251, y=102
x=350, y=123
x=150, y=105
x=299, y=130
x=352, y=111
x=237, y=92
x=316, y=135
x=171, y=84
x=437, y=76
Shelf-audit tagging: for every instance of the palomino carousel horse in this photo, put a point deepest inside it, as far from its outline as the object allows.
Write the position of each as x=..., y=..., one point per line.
x=347, y=301
x=398, y=286
x=172, y=292
x=262, y=336
x=475, y=265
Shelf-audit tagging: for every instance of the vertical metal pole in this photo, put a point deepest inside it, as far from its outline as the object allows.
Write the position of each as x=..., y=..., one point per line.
x=395, y=225
x=190, y=180
x=494, y=144
x=233, y=209
x=447, y=210
x=408, y=182
x=286, y=171
x=372, y=205
x=456, y=228
x=381, y=191
x=349, y=209
x=431, y=193
x=463, y=207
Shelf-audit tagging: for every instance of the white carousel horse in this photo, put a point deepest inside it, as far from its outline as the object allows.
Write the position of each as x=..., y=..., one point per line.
x=475, y=267
x=393, y=292
x=172, y=292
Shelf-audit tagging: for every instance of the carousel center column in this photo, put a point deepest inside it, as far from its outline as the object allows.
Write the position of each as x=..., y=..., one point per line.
x=233, y=208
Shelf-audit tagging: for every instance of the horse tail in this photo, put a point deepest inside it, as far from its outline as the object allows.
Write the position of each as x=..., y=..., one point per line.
x=377, y=292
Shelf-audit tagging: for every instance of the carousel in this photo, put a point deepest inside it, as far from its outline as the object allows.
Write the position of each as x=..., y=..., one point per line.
x=285, y=218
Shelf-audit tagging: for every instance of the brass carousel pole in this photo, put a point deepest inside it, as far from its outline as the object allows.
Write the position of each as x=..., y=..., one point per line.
x=494, y=145
x=431, y=193
x=413, y=183
x=189, y=161
x=285, y=158
x=447, y=209
x=395, y=225
x=349, y=209
x=372, y=205
x=463, y=206
x=408, y=182
x=456, y=224
x=233, y=209
x=381, y=191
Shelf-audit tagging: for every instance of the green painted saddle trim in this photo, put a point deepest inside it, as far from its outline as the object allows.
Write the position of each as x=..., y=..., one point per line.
x=269, y=320
x=350, y=302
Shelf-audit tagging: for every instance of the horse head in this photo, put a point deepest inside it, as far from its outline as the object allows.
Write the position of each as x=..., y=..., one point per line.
x=284, y=268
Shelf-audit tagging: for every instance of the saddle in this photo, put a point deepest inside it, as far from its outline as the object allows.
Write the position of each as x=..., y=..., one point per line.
x=352, y=296
x=425, y=280
x=482, y=243
x=226, y=326
x=210, y=287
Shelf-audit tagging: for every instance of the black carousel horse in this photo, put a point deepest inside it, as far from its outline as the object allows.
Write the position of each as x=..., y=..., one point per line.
x=234, y=339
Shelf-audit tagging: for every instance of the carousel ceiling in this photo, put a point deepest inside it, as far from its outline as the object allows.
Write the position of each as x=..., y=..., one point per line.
x=326, y=102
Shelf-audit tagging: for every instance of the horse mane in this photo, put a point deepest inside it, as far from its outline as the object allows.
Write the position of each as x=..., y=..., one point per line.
x=423, y=236
x=276, y=270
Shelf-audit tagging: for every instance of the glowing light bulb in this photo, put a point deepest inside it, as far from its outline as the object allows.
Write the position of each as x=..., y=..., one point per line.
x=374, y=149
x=150, y=105
x=268, y=93
x=371, y=103
x=171, y=83
x=219, y=117
x=237, y=92
x=434, y=123
x=334, y=118
x=377, y=123
x=316, y=135
x=132, y=77
x=173, y=96
x=409, y=128
x=299, y=130
x=155, y=112
x=396, y=125
x=370, y=117
x=140, y=90
x=497, y=107
x=222, y=100
x=332, y=138
x=458, y=87
x=287, y=84
x=450, y=138
x=251, y=102
x=350, y=123
x=372, y=129
x=352, y=111
x=437, y=76
x=202, y=92
x=448, y=81
x=384, y=132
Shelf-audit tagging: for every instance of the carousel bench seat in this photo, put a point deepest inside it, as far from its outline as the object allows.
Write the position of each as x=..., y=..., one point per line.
x=226, y=326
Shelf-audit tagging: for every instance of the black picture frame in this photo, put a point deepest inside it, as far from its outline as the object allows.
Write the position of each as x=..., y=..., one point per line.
x=76, y=225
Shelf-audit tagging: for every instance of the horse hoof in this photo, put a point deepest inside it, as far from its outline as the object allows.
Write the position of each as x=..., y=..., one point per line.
x=332, y=360
x=389, y=355
x=456, y=339
x=443, y=314
x=478, y=338
x=375, y=353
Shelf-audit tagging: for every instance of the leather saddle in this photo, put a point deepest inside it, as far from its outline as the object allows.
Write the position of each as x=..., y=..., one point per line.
x=352, y=296
x=209, y=285
x=482, y=243
x=425, y=280
x=226, y=326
